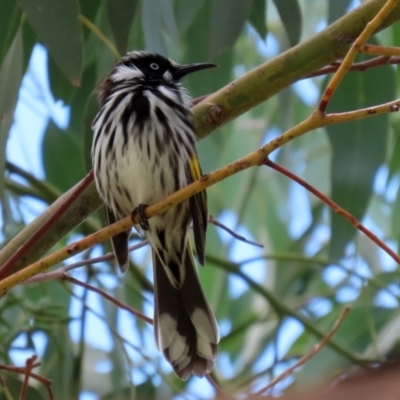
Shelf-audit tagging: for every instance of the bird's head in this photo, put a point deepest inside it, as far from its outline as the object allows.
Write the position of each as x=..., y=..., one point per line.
x=153, y=67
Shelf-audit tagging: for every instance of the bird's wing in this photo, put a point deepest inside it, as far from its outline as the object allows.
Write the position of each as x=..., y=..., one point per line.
x=198, y=209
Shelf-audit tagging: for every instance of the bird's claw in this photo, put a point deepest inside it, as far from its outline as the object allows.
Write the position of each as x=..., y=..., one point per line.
x=143, y=220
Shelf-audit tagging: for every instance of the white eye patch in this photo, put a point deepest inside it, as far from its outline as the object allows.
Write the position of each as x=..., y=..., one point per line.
x=123, y=72
x=167, y=76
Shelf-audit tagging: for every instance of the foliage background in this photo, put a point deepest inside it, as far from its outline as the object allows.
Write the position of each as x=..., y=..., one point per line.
x=270, y=304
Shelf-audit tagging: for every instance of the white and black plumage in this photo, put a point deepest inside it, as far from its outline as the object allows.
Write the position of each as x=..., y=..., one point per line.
x=143, y=150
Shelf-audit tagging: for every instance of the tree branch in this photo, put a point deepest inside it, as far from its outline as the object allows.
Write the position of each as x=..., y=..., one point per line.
x=316, y=120
x=223, y=106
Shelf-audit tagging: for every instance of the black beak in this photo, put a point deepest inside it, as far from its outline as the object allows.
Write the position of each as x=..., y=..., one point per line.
x=183, y=70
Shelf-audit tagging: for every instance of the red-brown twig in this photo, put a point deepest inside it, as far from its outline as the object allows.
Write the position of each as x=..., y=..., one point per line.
x=119, y=304
x=9, y=264
x=22, y=370
x=360, y=66
x=28, y=370
x=213, y=221
x=336, y=208
x=59, y=272
x=316, y=349
x=198, y=100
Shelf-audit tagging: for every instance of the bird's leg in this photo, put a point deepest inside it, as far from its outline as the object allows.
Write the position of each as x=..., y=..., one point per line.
x=143, y=220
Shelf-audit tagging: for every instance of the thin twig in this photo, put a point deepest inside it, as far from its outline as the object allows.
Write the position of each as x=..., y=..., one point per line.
x=213, y=221
x=369, y=29
x=336, y=208
x=360, y=66
x=59, y=272
x=50, y=192
x=316, y=349
x=22, y=370
x=377, y=50
x=198, y=100
x=218, y=390
x=119, y=304
x=5, y=390
x=97, y=32
x=28, y=370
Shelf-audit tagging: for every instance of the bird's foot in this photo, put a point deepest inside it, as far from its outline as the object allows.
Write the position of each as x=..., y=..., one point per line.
x=143, y=220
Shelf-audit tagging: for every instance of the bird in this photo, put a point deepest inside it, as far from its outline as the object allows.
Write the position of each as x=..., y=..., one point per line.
x=144, y=149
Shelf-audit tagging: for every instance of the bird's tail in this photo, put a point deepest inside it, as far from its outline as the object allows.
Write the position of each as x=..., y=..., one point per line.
x=185, y=328
x=119, y=243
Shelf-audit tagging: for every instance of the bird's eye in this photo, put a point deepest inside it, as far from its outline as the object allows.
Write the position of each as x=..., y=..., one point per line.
x=154, y=66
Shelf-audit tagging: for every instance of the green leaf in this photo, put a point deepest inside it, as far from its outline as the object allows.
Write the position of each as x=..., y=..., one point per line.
x=91, y=109
x=197, y=41
x=28, y=42
x=80, y=98
x=290, y=14
x=13, y=383
x=258, y=17
x=168, y=20
x=358, y=148
x=228, y=18
x=186, y=13
x=62, y=157
x=89, y=8
x=58, y=362
x=61, y=87
x=10, y=79
x=57, y=25
x=136, y=37
x=158, y=14
x=120, y=15
x=10, y=17
x=394, y=162
x=336, y=9
x=146, y=390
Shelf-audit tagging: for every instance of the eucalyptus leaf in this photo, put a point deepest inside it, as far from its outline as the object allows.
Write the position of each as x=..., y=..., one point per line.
x=258, y=17
x=57, y=25
x=10, y=80
x=228, y=18
x=336, y=9
x=120, y=15
x=290, y=13
x=10, y=19
x=62, y=157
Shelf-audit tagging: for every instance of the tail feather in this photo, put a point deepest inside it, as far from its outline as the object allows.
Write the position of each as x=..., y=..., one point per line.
x=119, y=243
x=184, y=325
x=196, y=303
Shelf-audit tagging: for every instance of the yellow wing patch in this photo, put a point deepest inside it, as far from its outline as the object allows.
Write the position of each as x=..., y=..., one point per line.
x=194, y=166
